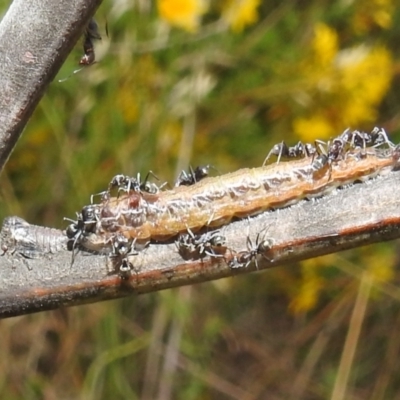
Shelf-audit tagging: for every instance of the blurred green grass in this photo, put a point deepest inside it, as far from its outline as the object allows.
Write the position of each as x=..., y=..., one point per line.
x=161, y=98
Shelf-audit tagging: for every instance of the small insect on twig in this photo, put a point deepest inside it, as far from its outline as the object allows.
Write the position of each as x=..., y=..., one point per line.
x=122, y=249
x=193, y=246
x=193, y=176
x=332, y=151
x=338, y=148
x=89, y=58
x=30, y=241
x=20, y=239
x=127, y=183
x=291, y=152
x=87, y=222
x=261, y=246
x=376, y=138
x=91, y=33
x=326, y=154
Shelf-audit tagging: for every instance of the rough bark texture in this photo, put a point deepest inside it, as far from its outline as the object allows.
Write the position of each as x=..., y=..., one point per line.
x=35, y=38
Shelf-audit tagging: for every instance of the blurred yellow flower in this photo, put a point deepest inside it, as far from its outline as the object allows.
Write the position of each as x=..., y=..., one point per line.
x=309, y=288
x=365, y=75
x=325, y=44
x=344, y=88
x=240, y=13
x=184, y=14
x=317, y=126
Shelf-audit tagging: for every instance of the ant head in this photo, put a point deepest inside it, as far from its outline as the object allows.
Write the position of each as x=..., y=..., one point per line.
x=72, y=230
x=117, y=181
x=149, y=187
x=218, y=240
x=202, y=171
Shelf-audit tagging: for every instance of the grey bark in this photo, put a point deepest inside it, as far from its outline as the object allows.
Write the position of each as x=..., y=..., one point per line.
x=35, y=38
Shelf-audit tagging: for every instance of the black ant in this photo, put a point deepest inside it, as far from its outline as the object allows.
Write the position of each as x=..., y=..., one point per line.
x=86, y=223
x=91, y=33
x=376, y=138
x=193, y=176
x=337, y=147
x=283, y=150
x=122, y=249
x=127, y=183
x=189, y=244
x=357, y=139
x=260, y=247
x=334, y=151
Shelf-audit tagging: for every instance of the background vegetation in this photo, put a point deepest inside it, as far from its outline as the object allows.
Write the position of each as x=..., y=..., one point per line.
x=189, y=82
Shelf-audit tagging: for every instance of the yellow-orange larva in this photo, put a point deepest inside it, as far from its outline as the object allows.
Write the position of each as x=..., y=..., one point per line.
x=215, y=201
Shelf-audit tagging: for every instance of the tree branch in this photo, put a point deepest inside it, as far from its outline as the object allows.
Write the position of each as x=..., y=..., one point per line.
x=31, y=53
x=30, y=56
x=357, y=215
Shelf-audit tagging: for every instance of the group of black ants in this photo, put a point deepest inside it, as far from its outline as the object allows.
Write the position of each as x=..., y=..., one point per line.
x=20, y=238
x=211, y=242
